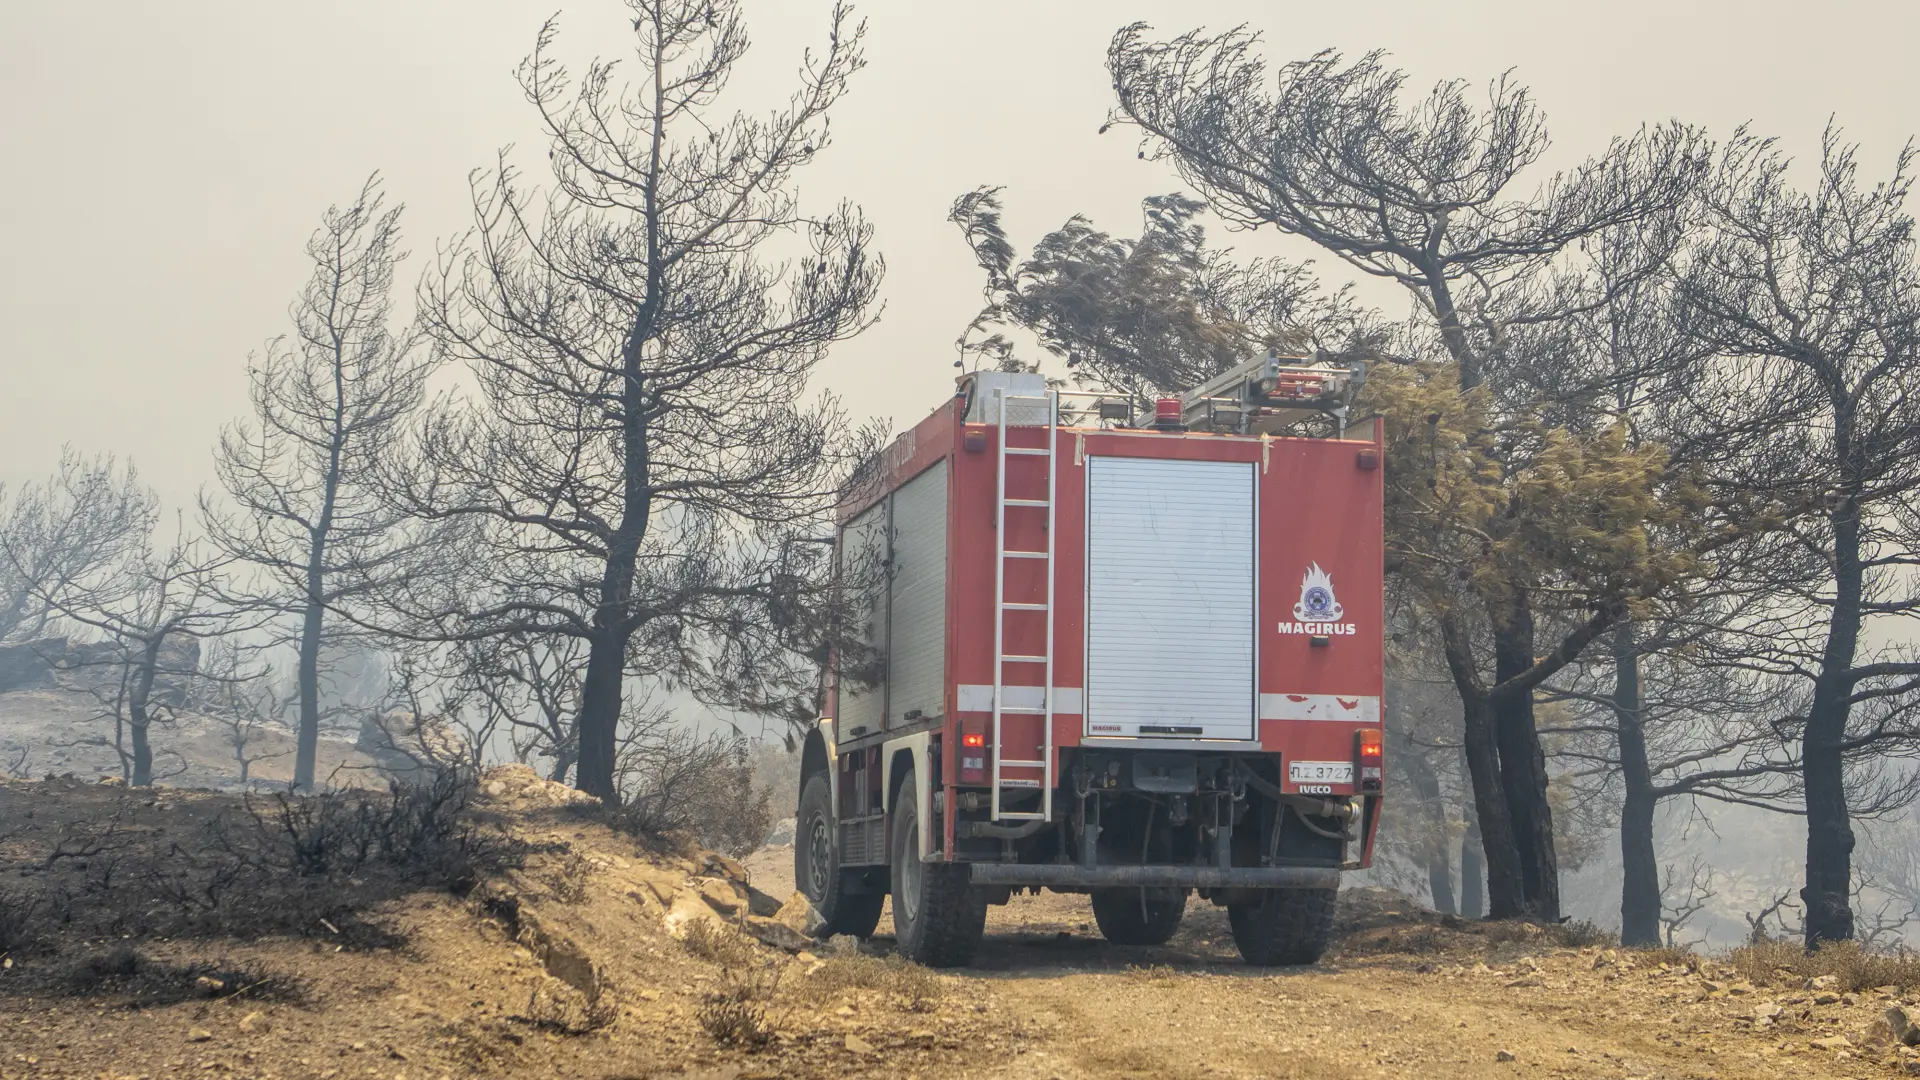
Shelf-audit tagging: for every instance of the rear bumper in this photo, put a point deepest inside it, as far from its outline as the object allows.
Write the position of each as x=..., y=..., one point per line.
x=1057, y=875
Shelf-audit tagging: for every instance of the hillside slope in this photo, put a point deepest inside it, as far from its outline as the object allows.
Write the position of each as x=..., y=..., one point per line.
x=557, y=946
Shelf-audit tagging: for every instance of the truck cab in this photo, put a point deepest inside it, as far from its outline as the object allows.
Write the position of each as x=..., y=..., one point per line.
x=1098, y=646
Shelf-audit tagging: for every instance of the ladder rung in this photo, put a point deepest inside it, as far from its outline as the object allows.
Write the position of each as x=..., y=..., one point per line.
x=1046, y=451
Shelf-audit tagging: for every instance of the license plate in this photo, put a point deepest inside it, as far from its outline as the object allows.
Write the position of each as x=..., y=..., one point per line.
x=1320, y=772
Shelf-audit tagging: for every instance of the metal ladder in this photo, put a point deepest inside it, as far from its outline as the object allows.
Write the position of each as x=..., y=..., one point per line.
x=1001, y=606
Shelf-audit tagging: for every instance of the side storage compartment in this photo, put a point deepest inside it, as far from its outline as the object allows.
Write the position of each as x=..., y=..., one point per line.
x=862, y=677
x=917, y=609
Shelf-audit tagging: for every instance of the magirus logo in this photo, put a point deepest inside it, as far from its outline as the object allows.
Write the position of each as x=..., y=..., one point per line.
x=1318, y=611
x=1316, y=597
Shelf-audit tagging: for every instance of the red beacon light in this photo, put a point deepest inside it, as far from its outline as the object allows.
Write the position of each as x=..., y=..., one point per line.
x=1169, y=414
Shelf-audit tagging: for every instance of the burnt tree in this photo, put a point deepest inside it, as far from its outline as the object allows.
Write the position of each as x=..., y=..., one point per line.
x=642, y=445
x=331, y=406
x=1418, y=193
x=1809, y=301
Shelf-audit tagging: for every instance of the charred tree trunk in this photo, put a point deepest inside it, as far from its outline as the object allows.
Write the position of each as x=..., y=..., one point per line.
x=1523, y=764
x=306, y=750
x=1640, y=868
x=602, y=690
x=1829, y=823
x=1506, y=887
x=1472, y=869
x=1506, y=892
x=600, y=700
x=138, y=717
x=307, y=745
x=1439, y=865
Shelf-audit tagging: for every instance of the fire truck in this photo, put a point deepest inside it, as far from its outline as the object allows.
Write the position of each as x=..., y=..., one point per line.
x=1128, y=650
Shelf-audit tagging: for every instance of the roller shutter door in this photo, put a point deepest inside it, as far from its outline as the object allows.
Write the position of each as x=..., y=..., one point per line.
x=917, y=658
x=1170, y=598
x=863, y=568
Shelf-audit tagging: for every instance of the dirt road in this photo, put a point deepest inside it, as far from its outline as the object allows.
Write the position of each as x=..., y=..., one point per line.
x=1403, y=997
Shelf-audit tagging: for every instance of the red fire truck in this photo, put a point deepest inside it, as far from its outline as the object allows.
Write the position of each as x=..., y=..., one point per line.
x=1139, y=658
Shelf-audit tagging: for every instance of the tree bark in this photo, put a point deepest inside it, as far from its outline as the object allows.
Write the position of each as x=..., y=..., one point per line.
x=601, y=691
x=1639, y=864
x=1523, y=764
x=1506, y=893
x=1439, y=867
x=1506, y=889
x=306, y=750
x=1472, y=867
x=600, y=699
x=1829, y=885
x=137, y=716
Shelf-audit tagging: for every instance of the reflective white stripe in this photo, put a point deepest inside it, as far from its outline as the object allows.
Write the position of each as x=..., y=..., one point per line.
x=978, y=697
x=1358, y=710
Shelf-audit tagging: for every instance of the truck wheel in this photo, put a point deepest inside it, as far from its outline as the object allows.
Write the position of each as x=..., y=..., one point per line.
x=816, y=866
x=1287, y=926
x=1125, y=919
x=938, y=918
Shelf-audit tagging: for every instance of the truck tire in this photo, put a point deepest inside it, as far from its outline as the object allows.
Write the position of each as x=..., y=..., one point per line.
x=938, y=917
x=1125, y=920
x=1287, y=926
x=816, y=866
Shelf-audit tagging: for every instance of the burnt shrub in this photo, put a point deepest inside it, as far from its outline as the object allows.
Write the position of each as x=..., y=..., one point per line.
x=420, y=826
x=140, y=981
x=674, y=782
x=18, y=928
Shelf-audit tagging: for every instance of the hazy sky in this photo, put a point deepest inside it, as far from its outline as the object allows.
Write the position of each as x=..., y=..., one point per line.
x=165, y=161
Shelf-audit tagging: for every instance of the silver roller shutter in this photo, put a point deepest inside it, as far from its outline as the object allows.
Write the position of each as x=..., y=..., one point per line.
x=863, y=567
x=917, y=657
x=1170, y=598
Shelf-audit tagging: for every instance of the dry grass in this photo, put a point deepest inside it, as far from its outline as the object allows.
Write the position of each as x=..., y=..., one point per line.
x=894, y=975
x=1418, y=939
x=1158, y=973
x=722, y=945
x=1575, y=934
x=1580, y=934
x=558, y=1008
x=735, y=1016
x=567, y=878
x=1850, y=966
x=1671, y=955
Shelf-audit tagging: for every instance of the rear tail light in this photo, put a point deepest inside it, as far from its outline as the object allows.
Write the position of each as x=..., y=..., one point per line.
x=1370, y=758
x=973, y=757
